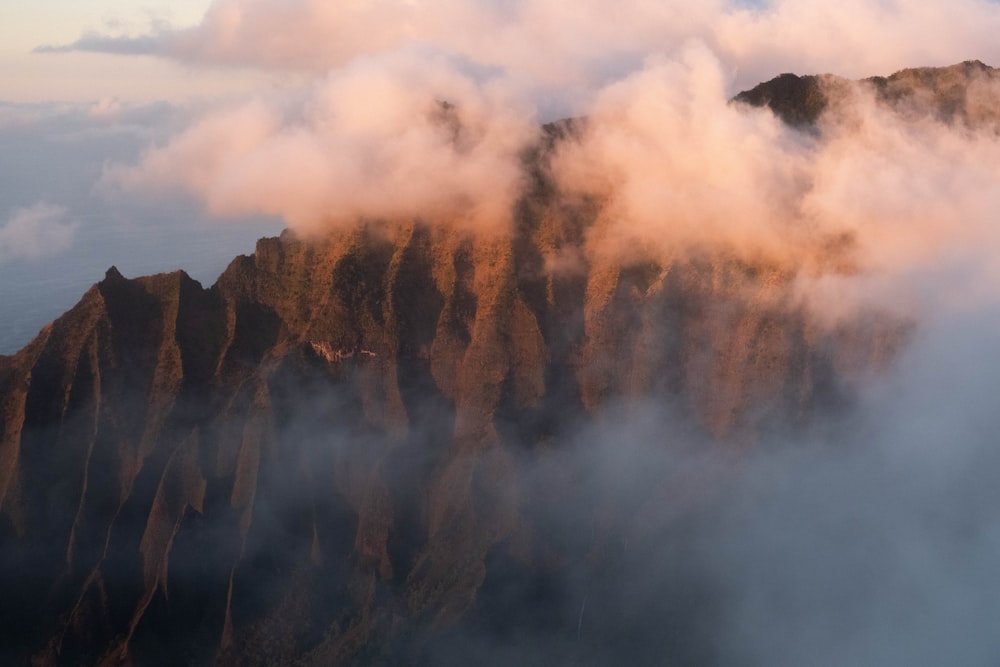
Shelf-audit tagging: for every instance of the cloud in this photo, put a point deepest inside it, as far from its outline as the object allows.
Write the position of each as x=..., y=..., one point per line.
x=579, y=46
x=35, y=232
x=857, y=38
x=868, y=539
x=882, y=205
x=93, y=42
x=108, y=114
x=397, y=137
x=365, y=136
x=876, y=546
x=679, y=167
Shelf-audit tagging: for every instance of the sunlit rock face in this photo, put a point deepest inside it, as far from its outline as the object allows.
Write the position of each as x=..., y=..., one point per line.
x=351, y=448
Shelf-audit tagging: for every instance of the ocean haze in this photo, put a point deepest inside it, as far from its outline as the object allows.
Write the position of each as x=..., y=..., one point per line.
x=69, y=231
x=34, y=292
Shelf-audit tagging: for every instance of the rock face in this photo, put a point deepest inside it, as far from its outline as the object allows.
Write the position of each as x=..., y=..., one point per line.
x=347, y=451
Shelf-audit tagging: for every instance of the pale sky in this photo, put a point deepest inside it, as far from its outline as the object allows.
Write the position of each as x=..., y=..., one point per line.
x=556, y=46
x=79, y=77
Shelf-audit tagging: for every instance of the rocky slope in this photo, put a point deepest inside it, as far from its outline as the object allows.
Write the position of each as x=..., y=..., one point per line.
x=347, y=450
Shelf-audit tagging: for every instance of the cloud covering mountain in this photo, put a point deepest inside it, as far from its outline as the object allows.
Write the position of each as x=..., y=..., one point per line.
x=571, y=354
x=623, y=422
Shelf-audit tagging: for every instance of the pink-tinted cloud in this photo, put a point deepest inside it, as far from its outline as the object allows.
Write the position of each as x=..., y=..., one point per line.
x=678, y=166
x=573, y=45
x=386, y=138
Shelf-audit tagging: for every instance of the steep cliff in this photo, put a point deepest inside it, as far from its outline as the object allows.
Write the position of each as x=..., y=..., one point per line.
x=347, y=450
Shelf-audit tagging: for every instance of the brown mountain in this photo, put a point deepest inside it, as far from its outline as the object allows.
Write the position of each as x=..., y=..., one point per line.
x=366, y=448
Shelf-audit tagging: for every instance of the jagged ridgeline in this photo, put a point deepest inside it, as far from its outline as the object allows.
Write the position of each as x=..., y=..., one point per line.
x=353, y=449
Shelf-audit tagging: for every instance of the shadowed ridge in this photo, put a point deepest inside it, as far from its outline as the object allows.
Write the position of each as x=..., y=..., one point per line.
x=933, y=76
x=966, y=91
x=797, y=100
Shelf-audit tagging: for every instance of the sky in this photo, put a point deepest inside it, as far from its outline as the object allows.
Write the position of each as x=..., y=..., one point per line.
x=29, y=77
x=157, y=135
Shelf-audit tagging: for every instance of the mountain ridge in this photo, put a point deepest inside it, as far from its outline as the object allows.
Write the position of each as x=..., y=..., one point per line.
x=801, y=100
x=337, y=453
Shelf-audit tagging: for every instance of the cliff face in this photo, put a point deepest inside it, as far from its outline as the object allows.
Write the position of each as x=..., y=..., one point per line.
x=347, y=450
x=325, y=448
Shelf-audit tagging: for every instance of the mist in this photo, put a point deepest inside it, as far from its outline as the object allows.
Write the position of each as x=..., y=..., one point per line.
x=866, y=537
x=875, y=548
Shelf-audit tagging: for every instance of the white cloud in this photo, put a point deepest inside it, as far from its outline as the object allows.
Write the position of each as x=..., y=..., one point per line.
x=34, y=232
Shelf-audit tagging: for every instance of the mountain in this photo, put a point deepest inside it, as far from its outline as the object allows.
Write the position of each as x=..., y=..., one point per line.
x=950, y=93
x=376, y=447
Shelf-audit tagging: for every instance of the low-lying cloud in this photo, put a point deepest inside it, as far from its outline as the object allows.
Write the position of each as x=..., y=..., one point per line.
x=875, y=547
x=35, y=232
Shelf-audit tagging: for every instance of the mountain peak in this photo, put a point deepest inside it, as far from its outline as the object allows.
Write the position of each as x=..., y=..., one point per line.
x=113, y=274
x=938, y=91
x=797, y=100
